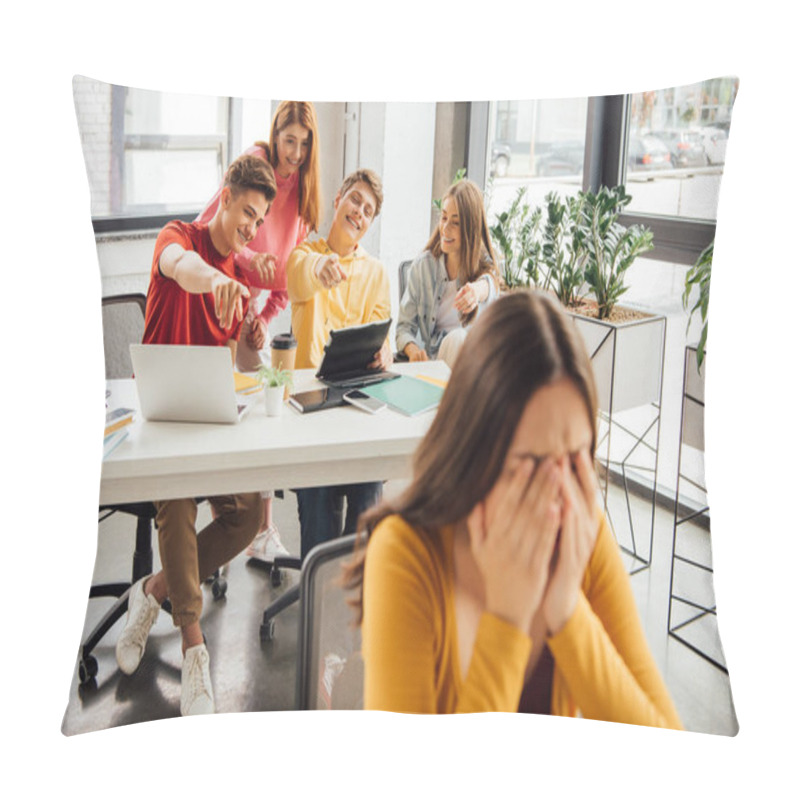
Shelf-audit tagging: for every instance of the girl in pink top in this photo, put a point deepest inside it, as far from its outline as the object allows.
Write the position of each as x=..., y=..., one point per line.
x=293, y=151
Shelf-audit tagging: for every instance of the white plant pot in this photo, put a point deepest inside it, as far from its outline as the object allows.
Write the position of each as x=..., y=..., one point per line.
x=693, y=430
x=273, y=400
x=627, y=359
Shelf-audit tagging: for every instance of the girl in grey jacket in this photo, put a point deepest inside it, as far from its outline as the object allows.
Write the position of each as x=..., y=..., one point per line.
x=451, y=281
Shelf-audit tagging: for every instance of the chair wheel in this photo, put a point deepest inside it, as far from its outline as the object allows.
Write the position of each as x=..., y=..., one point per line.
x=276, y=576
x=267, y=631
x=87, y=669
x=219, y=588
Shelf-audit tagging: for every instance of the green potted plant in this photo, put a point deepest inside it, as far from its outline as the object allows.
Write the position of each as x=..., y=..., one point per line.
x=610, y=248
x=562, y=248
x=516, y=236
x=699, y=275
x=276, y=383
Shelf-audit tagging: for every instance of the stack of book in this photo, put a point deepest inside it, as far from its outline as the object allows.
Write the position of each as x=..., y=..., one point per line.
x=116, y=430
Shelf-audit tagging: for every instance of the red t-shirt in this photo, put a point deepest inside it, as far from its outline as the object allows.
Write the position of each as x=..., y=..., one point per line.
x=174, y=316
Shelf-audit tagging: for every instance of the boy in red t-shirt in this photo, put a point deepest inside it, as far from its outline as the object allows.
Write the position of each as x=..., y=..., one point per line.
x=198, y=296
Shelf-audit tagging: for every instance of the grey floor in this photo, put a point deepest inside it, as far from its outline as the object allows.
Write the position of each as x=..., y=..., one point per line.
x=249, y=675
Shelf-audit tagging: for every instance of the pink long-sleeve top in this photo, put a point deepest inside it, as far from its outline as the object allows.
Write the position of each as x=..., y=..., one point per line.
x=282, y=231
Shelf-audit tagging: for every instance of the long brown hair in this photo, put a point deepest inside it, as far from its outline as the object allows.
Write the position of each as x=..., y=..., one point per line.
x=298, y=111
x=477, y=255
x=521, y=343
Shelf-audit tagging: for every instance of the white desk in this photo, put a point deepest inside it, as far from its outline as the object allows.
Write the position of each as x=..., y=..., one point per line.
x=165, y=460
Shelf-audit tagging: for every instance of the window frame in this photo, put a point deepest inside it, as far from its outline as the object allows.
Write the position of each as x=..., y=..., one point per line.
x=226, y=145
x=678, y=240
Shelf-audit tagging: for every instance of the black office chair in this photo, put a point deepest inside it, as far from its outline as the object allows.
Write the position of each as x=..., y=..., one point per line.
x=330, y=671
x=123, y=323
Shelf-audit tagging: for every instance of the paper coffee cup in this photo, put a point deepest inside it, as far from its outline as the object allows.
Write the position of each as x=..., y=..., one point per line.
x=283, y=348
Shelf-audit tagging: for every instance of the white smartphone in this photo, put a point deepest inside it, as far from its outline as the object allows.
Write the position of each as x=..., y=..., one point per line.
x=363, y=401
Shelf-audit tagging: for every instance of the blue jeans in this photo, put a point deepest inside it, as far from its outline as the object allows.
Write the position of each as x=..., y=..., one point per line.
x=319, y=511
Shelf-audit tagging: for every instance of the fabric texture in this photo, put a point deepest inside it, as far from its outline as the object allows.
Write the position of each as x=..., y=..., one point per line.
x=602, y=665
x=174, y=316
x=316, y=311
x=421, y=301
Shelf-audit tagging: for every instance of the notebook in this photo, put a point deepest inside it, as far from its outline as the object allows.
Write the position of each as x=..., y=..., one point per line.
x=347, y=353
x=408, y=395
x=186, y=383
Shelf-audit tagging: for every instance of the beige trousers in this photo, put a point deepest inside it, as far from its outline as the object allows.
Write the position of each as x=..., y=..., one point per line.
x=188, y=557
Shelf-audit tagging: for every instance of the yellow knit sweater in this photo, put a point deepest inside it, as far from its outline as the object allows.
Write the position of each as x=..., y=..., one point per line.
x=603, y=667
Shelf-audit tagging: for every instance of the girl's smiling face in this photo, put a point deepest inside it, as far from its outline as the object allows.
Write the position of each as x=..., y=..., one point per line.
x=293, y=144
x=450, y=227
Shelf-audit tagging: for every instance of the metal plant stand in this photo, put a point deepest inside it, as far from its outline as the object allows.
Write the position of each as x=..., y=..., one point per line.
x=628, y=362
x=697, y=629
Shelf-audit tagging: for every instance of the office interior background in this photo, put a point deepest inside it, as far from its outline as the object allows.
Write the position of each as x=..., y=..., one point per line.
x=762, y=97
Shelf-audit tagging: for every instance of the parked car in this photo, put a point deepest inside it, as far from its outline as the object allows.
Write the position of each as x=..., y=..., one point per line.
x=685, y=147
x=563, y=158
x=501, y=159
x=647, y=153
x=715, y=142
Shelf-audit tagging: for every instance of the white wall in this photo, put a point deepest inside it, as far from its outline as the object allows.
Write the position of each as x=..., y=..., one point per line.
x=397, y=141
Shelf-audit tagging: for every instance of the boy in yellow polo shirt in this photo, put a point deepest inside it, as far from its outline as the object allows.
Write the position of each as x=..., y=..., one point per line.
x=334, y=283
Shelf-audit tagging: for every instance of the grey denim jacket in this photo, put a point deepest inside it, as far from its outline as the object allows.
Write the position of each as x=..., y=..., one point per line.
x=427, y=277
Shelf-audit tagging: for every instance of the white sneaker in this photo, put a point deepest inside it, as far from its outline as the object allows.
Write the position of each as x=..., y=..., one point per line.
x=266, y=546
x=197, y=696
x=142, y=612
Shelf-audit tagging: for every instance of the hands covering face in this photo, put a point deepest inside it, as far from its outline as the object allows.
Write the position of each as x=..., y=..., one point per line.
x=533, y=536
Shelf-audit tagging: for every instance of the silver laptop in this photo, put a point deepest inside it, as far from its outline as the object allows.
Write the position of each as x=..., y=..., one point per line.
x=186, y=383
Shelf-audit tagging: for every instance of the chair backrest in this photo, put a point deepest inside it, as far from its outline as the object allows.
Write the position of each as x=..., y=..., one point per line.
x=330, y=672
x=402, y=276
x=123, y=325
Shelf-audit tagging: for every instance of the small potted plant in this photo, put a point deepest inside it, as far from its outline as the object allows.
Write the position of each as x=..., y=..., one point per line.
x=276, y=382
x=611, y=248
x=563, y=254
x=515, y=235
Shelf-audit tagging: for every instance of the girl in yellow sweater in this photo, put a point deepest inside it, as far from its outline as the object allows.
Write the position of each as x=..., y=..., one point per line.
x=494, y=583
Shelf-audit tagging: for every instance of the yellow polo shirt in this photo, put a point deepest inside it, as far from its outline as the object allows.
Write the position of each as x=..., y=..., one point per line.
x=316, y=311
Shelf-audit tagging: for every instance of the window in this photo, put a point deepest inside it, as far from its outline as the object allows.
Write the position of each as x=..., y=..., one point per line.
x=152, y=156
x=538, y=144
x=676, y=141
x=667, y=147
